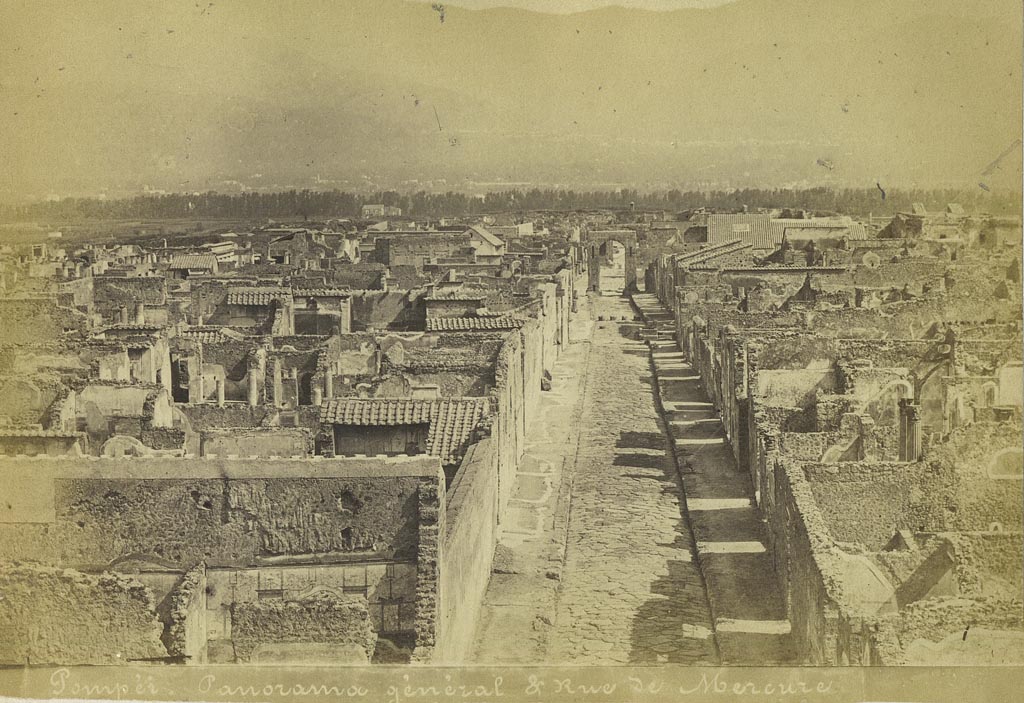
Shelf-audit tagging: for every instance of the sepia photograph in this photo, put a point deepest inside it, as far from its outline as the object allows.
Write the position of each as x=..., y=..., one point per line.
x=520, y=350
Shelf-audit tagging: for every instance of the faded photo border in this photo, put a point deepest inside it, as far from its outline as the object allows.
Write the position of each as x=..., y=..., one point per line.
x=386, y=684
x=511, y=684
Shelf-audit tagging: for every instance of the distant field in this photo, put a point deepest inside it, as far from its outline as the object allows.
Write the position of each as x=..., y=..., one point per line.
x=176, y=232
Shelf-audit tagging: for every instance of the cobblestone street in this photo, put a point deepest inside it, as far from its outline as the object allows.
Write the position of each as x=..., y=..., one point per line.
x=630, y=591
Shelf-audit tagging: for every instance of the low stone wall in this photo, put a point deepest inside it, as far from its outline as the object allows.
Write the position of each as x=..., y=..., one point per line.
x=59, y=616
x=936, y=619
x=261, y=442
x=282, y=631
x=989, y=563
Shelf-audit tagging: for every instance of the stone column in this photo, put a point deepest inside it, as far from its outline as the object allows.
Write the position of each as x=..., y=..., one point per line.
x=253, y=388
x=278, y=381
x=318, y=397
x=140, y=313
x=123, y=319
x=901, y=441
x=220, y=392
x=910, y=430
x=329, y=383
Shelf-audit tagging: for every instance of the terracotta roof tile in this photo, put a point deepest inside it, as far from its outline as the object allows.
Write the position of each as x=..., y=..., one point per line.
x=194, y=261
x=255, y=296
x=203, y=334
x=322, y=292
x=132, y=327
x=451, y=420
x=455, y=324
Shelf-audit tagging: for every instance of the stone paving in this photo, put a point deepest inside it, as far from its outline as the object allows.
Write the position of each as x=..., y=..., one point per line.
x=519, y=603
x=630, y=591
x=744, y=592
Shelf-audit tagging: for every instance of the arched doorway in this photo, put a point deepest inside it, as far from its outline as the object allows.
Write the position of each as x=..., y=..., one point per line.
x=604, y=250
x=613, y=267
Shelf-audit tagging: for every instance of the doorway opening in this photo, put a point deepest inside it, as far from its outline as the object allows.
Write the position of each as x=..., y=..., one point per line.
x=612, y=257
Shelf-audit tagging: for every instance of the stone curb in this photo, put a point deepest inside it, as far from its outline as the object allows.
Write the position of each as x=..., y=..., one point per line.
x=697, y=553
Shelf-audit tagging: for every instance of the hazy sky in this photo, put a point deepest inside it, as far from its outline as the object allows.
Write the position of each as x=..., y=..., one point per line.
x=115, y=95
x=570, y=6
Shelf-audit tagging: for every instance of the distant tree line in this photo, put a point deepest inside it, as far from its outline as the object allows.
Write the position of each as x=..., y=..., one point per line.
x=313, y=204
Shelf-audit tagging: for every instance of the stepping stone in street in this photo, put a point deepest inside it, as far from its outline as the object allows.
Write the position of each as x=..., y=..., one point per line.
x=699, y=504
x=757, y=627
x=730, y=547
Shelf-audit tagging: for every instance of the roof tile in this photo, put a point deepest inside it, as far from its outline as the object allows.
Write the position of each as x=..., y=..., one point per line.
x=451, y=420
x=456, y=324
x=194, y=261
x=255, y=296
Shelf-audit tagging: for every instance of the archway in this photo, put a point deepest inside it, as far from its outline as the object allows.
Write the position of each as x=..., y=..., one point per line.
x=612, y=278
x=599, y=245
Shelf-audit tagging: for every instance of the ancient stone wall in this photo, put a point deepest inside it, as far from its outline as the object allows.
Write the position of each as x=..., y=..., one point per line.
x=208, y=416
x=391, y=310
x=372, y=527
x=469, y=540
x=111, y=293
x=264, y=442
x=60, y=616
x=802, y=549
x=332, y=629
x=982, y=458
x=185, y=631
x=935, y=620
x=865, y=502
x=223, y=511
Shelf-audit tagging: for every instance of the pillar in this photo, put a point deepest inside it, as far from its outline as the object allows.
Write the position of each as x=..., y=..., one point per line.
x=140, y=313
x=123, y=319
x=329, y=384
x=252, y=388
x=910, y=430
x=278, y=382
x=318, y=396
x=220, y=392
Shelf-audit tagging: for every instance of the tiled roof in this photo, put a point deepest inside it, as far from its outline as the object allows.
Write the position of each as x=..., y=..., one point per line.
x=451, y=420
x=487, y=236
x=194, y=261
x=762, y=231
x=820, y=226
x=753, y=228
x=255, y=296
x=702, y=256
x=322, y=292
x=36, y=432
x=203, y=334
x=454, y=324
x=132, y=327
x=465, y=296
